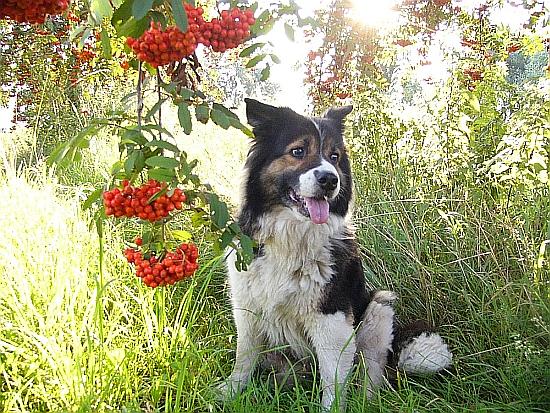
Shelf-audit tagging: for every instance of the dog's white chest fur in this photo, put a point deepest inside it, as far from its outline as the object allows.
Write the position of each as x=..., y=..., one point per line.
x=283, y=286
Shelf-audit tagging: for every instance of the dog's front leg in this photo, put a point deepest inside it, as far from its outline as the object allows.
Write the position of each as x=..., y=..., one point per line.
x=249, y=346
x=333, y=340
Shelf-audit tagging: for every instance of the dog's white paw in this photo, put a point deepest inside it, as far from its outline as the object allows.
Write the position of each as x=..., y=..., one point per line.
x=332, y=404
x=228, y=389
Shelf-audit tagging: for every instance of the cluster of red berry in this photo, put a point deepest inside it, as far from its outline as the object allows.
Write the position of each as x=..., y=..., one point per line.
x=167, y=270
x=160, y=47
x=31, y=11
x=134, y=201
x=84, y=55
x=227, y=32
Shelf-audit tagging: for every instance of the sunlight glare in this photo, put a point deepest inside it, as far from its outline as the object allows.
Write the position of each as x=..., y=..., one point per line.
x=375, y=13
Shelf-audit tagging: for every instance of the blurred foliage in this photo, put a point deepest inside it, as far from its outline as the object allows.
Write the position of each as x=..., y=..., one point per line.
x=485, y=126
x=56, y=82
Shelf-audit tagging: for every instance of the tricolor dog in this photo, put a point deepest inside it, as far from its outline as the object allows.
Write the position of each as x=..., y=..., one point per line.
x=305, y=289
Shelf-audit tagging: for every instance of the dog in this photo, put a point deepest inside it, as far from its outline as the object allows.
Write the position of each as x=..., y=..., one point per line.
x=305, y=290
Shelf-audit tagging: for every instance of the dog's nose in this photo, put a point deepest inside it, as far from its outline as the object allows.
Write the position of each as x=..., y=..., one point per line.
x=327, y=180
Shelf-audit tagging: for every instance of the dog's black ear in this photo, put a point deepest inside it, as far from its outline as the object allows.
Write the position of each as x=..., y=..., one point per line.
x=259, y=114
x=338, y=114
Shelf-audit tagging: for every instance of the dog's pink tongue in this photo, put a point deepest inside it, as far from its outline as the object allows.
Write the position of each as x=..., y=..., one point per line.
x=318, y=210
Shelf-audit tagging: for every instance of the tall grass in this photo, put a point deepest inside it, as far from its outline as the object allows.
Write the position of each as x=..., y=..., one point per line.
x=79, y=336
x=469, y=268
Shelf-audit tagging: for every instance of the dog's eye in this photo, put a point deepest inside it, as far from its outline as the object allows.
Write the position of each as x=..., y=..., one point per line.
x=298, y=152
x=334, y=157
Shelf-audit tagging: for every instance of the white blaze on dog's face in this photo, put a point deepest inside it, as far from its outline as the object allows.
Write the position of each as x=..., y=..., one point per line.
x=325, y=175
x=298, y=162
x=317, y=186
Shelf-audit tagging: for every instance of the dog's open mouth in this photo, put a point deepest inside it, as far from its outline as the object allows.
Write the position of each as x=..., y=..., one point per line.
x=315, y=208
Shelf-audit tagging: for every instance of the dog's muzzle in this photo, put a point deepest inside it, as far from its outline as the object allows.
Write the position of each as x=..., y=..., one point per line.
x=327, y=181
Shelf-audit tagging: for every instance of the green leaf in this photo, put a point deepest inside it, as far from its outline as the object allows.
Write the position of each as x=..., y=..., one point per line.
x=308, y=21
x=224, y=110
x=255, y=60
x=218, y=211
x=106, y=45
x=185, y=117
x=226, y=238
x=169, y=87
x=69, y=151
x=99, y=229
x=180, y=16
x=122, y=13
x=181, y=235
x=199, y=218
x=162, y=162
x=140, y=162
x=100, y=9
x=82, y=144
x=247, y=246
x=155, y=109
x=247, y=51
x=152, y=127
x=132, y=27
x=187, y=168
x=264, y=16
x=133, y=136
x=130, y=162
x=161, y=174
x=235, y=227
x=92, y=198
x=261, y=29
x=265, y=73
x=186, y=93
x=275, y=59
x=232, y=119
x=158, y=17
x=116, y=168
x=126, y=98
x=135, y=162
x=202, y=112
x=164, y=145
x=289, y=31
x=220, y=119
x=538, y=162
x=291, y=8
x=141, y=7
x=236, y=123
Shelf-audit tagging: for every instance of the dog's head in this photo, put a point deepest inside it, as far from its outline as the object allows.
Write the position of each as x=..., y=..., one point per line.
x=297, y=162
